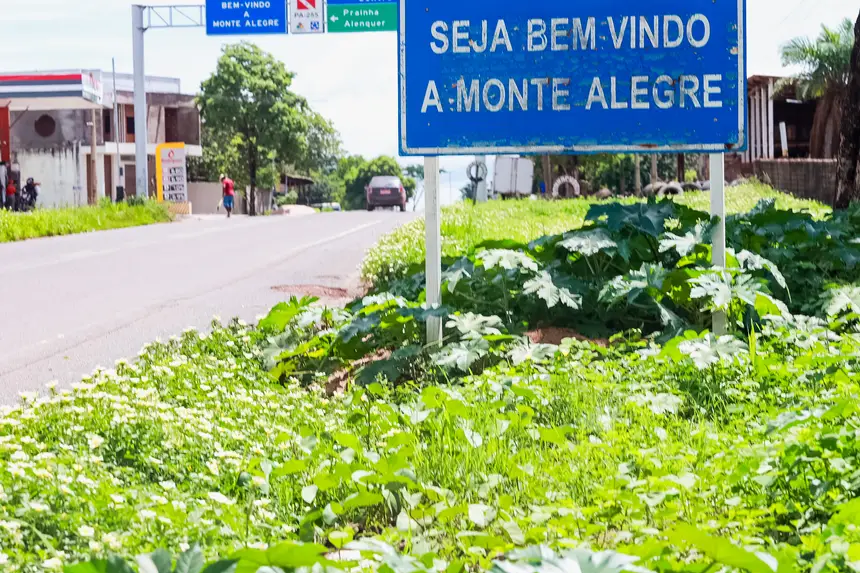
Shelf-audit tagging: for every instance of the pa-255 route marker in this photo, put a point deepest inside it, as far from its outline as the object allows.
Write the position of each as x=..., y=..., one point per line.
x=614, y=76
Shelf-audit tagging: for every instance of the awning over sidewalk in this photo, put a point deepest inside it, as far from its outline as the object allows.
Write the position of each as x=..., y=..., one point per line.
x=51, y=91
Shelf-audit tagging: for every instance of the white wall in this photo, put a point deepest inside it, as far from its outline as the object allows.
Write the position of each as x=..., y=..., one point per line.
x=62, y=174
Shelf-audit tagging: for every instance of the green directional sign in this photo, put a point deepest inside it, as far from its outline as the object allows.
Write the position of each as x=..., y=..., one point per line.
x=380, y=17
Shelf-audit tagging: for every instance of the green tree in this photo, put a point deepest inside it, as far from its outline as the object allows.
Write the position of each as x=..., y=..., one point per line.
x=824, y=66
x=248, y=102
x=359, y=173
x=848, y=168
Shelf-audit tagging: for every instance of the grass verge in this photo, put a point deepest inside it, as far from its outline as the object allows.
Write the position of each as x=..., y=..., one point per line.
x=465, y=226
x=73, y=220
x=634, y=449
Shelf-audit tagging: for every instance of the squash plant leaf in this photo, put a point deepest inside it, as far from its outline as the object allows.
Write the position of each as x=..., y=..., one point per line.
x=462, y=355
x=506, y=259
x=648, y=218
x=189, y=562
x=719, y=549
x=223, y=566
x=543, y=286
x=685, y=244
x=588, y=243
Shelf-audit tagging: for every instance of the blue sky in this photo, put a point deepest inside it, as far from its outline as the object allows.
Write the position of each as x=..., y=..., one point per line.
x=350, y=78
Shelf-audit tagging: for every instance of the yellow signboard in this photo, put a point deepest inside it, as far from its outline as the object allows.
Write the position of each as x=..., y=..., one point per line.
x=171, y=175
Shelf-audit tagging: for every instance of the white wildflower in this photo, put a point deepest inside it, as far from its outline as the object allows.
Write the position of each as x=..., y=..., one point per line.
x=146, y=514
x=95, y=441
x=86, y=531
x=53, y=563
x=220, y=498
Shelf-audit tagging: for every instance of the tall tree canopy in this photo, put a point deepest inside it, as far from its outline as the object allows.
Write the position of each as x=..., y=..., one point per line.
x=824, y=64
x=848, y=170
x=247, y=105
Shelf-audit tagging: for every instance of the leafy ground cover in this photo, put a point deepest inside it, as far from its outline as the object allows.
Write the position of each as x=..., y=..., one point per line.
x=72, y=220
x=694, y=456
x=326, y=439
x=465, y=227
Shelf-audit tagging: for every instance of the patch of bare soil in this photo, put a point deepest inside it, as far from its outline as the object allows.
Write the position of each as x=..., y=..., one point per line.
x=555, y=335
x=319, y=291
x=338, y=381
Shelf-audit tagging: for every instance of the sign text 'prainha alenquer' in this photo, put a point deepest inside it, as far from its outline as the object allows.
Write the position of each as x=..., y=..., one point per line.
x=249, y=17
x=555, y=76
x=365, y=17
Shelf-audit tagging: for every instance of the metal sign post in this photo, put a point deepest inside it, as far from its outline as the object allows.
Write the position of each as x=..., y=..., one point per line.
x=718, y=238
x=433, y=242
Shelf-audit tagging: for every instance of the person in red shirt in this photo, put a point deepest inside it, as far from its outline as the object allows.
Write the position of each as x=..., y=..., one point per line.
x=11, y=196
x=228, y=193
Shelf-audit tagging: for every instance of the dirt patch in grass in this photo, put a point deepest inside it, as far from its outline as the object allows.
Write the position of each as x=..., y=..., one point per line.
x=319, y=291
x=555, y=335
x=338, y=381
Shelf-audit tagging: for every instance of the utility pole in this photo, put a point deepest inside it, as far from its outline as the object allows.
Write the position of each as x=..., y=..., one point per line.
x=141, y=159
x=654, y=175
x=681, y=168
x=117, y=172
x=94, y=163
x=145, y=18
x=637, y=176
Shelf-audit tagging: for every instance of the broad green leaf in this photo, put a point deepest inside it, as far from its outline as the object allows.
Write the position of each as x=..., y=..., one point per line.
x=289, y=468
x=95, y=566
x=710, y=350
x=309, y=493
x=223, y=566
x=191, y=561
x=340, y=538
x=145, y=564
x=116, y=564
x=648, y=218
x=462, y=355
x=514, y=532
x=588, y=243
x=716, y=287
x=536, y=353
x=362, y=499
x=347, y=440
x=293, y=555
x=474, y=326
x=543, y=286
x=507, y=259
x=842, y=299
x=719, y=549
x=685, y=244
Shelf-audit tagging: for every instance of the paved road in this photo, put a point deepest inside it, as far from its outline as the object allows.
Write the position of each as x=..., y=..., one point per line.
x=69, y=304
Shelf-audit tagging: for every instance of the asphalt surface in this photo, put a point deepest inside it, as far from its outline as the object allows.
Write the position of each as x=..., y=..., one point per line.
x=71, y=304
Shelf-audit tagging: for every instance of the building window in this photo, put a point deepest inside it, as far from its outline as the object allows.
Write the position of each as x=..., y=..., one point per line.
x=107, y=121
x=45, y=126
x=129, y=125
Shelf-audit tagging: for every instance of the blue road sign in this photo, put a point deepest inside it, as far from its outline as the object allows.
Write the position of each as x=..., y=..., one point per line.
x=555, y=76
x=246, y=17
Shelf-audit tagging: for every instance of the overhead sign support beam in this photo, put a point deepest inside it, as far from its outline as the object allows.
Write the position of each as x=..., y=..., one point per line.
x=144, y=18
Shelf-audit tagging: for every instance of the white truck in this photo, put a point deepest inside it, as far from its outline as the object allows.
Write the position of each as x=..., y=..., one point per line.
x=513, y=176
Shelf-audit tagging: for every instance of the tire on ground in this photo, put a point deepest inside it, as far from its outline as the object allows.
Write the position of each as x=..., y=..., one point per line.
x=691, y=186
x=652, y=189
x=569, y=182
x=673, y=188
